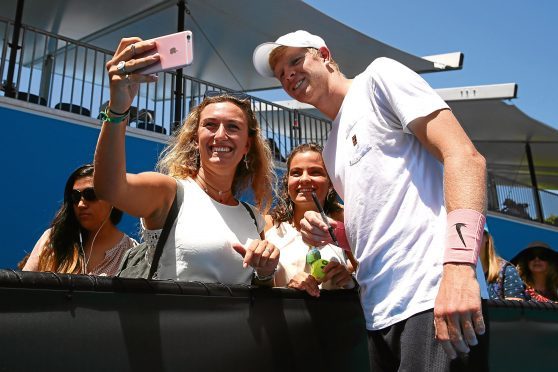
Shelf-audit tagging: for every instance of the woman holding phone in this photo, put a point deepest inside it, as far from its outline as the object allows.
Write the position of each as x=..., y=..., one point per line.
x=216, y=154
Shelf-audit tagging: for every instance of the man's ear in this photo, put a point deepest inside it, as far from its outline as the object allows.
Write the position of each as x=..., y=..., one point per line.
x=325, y=53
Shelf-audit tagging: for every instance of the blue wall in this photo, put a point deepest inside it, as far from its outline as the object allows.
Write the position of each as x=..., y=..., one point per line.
x=512, y=235
x=37, y=155
x=39, y=152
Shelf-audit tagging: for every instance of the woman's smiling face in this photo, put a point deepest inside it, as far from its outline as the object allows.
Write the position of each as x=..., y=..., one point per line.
x=307, y=173
x=222, y=135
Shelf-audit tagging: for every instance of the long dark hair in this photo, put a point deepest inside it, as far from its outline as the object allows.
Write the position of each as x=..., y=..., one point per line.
x=284, y=209
x=551, y=282
x=62, y=251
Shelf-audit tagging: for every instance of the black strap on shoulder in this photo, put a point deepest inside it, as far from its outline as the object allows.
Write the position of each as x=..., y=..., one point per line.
x=251, y=213
x=169, y=222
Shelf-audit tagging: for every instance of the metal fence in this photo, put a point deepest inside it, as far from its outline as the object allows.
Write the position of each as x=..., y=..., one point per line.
x=518, y=200
x=60, y=73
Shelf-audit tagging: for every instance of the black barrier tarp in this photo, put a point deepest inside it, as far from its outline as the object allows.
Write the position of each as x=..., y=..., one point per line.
x=88, y=323
x=76, y=322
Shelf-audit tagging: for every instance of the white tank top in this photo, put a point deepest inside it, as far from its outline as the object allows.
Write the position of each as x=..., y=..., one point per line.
x=199, y=246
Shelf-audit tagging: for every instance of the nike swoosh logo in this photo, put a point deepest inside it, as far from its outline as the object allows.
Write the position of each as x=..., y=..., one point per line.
x=458, y=227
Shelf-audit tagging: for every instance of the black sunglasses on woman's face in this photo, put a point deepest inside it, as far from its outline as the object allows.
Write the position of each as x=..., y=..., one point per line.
x=88, y=194
x=541, y=253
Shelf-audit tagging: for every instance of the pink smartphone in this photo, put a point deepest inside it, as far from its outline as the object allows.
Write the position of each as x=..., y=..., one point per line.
x=175, y=51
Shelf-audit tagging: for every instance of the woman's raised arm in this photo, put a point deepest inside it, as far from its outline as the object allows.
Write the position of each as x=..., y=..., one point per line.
x=148, y=195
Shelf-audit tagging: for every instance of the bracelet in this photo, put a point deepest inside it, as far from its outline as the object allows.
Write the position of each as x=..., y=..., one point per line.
x=117, y=113
x=104, y=115
x=265, y=278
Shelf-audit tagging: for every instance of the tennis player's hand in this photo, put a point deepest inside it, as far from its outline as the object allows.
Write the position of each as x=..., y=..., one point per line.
x=457, y=310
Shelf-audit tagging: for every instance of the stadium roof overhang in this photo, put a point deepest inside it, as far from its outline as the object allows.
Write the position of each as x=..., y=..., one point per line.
x=505, y=135
x=501, y=132
x=225, y=33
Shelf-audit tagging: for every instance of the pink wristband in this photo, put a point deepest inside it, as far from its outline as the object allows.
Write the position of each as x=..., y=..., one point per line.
x=464, y=236
x=341, y=236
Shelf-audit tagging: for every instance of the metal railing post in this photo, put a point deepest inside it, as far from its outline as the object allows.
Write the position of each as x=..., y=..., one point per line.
x=493, y=203
x=47, y=68
x=178, y=93
x=8, y=85
x=538, y=204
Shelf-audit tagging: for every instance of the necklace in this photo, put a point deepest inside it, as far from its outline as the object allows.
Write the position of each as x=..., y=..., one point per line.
x=206, y=184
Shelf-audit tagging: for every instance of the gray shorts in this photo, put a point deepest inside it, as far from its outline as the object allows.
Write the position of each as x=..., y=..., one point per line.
x=410, y=346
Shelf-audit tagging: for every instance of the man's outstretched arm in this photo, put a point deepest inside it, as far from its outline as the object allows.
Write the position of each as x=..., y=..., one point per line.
x=457, y=310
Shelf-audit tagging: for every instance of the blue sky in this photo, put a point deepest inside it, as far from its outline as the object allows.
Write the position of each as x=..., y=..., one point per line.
x=512, y=41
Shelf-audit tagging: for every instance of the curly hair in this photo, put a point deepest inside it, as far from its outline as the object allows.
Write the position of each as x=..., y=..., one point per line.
x=284, y=209
x=180, y=159
x=62, y=253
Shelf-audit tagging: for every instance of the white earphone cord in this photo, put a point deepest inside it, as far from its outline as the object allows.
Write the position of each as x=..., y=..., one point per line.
x=85, y=259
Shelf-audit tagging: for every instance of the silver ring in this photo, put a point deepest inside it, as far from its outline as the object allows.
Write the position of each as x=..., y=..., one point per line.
x=133, y=49
x=121, y=67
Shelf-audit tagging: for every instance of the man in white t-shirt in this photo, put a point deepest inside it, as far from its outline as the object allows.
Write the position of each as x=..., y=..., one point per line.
x=414, y=189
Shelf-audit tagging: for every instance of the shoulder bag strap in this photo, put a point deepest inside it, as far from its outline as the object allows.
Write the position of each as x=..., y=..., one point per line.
x=251, y=213
x=169, y=222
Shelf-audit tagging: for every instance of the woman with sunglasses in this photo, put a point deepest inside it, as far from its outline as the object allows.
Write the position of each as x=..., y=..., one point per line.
x=83, y=237
x=217, y=153
x=538, y=267
x=305, y=174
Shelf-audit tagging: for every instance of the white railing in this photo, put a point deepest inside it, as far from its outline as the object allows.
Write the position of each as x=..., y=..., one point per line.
x=57, y=72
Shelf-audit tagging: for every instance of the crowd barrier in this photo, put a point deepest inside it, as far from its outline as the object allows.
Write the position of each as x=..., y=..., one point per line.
x=87, y=323
x=90, y=323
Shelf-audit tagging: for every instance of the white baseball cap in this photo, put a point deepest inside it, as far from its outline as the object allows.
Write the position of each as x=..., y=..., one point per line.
x=298, y=39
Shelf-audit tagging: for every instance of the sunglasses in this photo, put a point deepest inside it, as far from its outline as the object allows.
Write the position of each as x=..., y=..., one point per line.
x=216, y=93
x=542, y=254
x=88, y=194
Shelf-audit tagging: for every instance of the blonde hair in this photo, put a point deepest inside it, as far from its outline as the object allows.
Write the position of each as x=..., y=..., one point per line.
x=180, y=159
x=278, y=52
x=492, y=258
